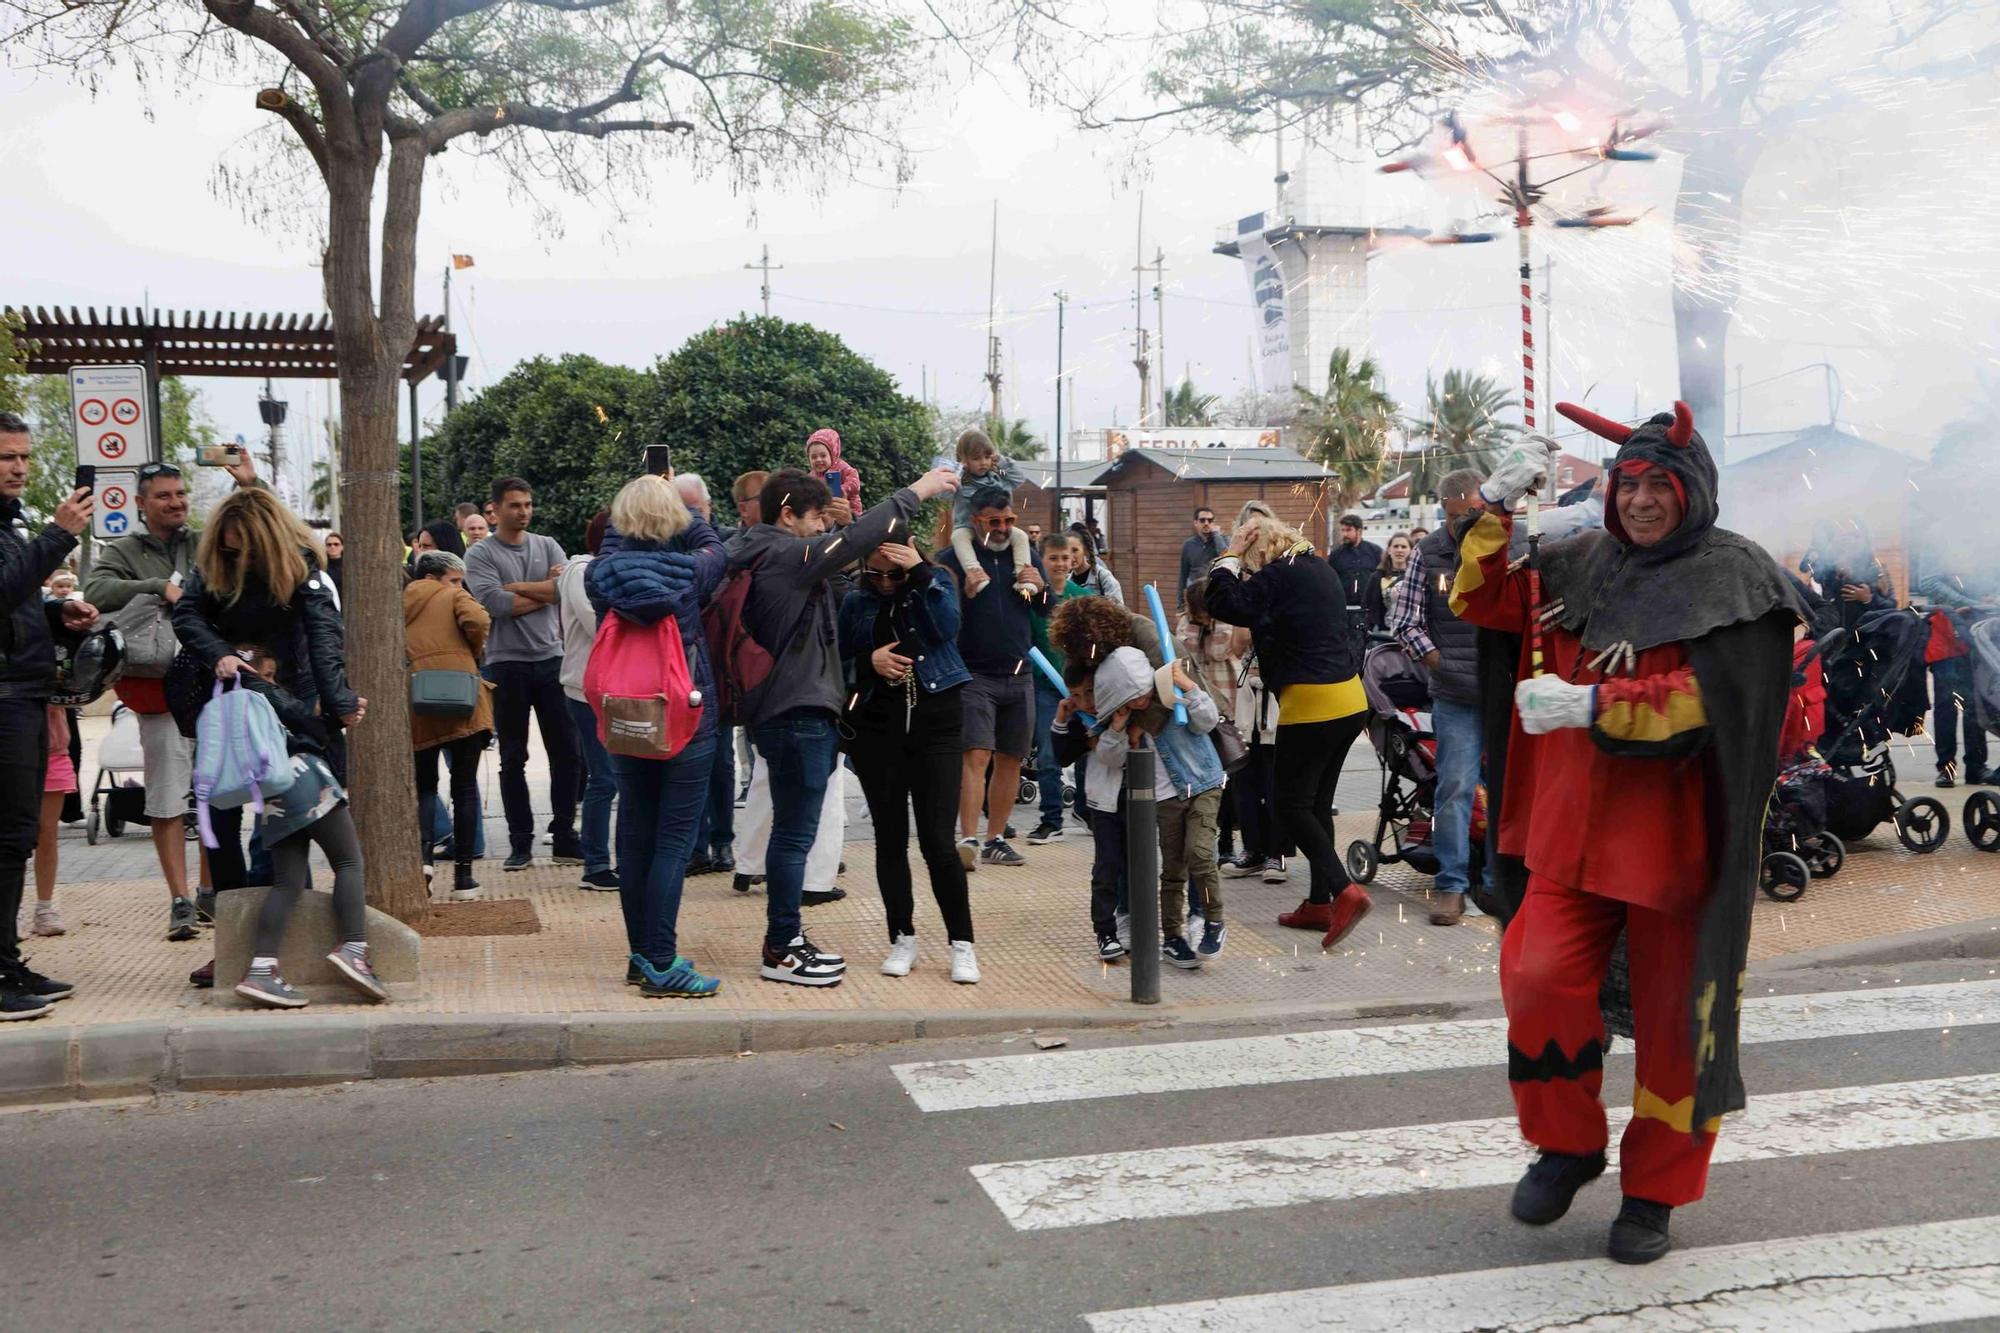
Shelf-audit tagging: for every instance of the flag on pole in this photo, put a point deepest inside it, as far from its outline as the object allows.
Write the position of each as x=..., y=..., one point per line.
x=461, y=261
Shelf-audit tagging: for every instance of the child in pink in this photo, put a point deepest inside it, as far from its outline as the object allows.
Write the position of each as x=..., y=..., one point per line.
x=823, y=457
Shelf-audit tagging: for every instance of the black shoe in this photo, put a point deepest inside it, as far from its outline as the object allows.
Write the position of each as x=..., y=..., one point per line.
x=818, y=897
x=464, y=888
x=16, y=1006
x=1982, y=777
x=1010, y=832
x=1639, y=1236
x=842, y=870
x=1544, y=1194
x=724, y=860
x=1044, y=832
x=518, y=861
x=1108, y=946
x=701, y=865
x=567, y=850
x=745, y=883
x=599, y=881
x=203, y=977
x=1944, y=777
x=1174, y=951
x=24, y=980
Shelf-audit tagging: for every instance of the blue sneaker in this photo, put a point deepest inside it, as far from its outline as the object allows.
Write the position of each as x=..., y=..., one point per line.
x=678, y=981
x=1213, y=935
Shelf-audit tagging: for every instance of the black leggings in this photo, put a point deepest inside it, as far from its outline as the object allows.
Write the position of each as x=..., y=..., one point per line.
x=1309, y=758
x=1255, y=787
x=465, y=753
x=334, y=832
x=897, y=772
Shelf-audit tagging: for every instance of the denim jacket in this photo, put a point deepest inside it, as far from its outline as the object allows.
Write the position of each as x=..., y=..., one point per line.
x=926, y=627
x=1189, y=764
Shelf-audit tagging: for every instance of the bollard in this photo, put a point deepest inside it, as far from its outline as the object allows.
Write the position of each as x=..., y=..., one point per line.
x=1142, y=874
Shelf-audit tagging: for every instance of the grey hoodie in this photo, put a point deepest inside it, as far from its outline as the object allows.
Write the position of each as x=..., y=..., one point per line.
x=790, y=589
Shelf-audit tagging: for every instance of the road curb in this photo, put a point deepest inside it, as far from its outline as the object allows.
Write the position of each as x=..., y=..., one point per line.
x=1970, y=939
x=51, y=1064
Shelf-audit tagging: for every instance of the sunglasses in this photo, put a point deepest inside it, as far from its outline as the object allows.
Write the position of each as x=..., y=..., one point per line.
x=148, y=471
x=896, y=575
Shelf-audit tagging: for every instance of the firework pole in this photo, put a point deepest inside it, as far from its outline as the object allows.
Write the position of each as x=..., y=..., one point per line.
x=1524, y=219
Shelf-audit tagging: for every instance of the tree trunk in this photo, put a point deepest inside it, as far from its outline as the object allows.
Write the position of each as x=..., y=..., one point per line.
x=381, y=777
x=1709, y=217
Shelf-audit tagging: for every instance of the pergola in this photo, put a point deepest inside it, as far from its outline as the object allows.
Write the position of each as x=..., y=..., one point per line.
x=249, y=346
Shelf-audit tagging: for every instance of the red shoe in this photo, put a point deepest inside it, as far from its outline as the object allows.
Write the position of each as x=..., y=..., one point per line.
x=1348, y=909
x=1309, y=916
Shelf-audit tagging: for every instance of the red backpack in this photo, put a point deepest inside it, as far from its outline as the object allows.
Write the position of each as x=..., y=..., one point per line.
x=743, y=666
x=639, y=686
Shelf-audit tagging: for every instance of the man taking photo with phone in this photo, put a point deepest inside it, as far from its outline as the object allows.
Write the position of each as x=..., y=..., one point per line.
x=28, y=629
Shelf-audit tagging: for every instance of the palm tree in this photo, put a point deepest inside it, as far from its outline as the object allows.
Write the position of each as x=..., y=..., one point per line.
x=1462, y=428
x=1347, y=428
x=1184, y=407
x=1013, y=438
x=320, y=494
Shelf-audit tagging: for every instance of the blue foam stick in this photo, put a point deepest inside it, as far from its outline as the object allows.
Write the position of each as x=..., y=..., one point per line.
x=1054, y=677
x=1166, y=646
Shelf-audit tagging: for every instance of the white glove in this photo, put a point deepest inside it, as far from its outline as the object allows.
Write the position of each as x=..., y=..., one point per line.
x=1550, y=703
x=1523, y=468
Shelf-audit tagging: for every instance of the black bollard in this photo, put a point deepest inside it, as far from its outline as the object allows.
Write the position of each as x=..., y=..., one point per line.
x=1142, y=874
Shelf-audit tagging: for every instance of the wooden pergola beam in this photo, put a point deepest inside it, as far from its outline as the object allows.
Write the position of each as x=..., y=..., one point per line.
x=252, y=346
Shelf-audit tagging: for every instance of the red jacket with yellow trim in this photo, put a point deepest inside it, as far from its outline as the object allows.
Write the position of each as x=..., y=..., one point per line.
x=1635, y=772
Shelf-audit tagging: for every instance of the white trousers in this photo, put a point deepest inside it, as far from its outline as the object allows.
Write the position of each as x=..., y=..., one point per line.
x=753, y=835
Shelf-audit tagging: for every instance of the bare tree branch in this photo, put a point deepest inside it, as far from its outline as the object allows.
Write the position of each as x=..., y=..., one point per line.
x=484, y=120
x=280, y=104
x=326, y=77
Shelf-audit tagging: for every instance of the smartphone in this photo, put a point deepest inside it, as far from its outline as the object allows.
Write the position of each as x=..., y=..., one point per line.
x=218, y=455
x=659, y=460
x=86, y=477
x=833, y=486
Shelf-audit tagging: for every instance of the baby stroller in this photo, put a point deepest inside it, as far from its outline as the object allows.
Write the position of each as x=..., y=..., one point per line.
x=1798, y=847
x=119, y=798
x=1397, y=691
x=1982, y=808
x=1876, y=689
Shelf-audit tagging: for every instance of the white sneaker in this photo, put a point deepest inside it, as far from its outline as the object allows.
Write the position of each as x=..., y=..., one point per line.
x=964, y=967
x=902, y=957
x=968, y=853
x=48, y=921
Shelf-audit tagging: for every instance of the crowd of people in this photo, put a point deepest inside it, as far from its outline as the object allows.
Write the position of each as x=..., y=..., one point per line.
x=940, y=668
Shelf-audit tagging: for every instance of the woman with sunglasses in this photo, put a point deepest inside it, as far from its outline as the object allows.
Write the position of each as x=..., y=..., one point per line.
x=899, y=632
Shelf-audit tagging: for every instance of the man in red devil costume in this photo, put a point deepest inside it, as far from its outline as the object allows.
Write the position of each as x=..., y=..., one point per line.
x=1643, y=747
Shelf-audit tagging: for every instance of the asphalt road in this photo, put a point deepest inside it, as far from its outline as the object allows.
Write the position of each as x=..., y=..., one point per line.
x=816, y=1191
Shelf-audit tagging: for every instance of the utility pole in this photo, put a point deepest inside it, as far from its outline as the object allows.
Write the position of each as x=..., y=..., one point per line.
x=992, y=338
x=1158, y=268
x=1062, y=308
x=450, y=362
x=1139, y=358
x=766, y=267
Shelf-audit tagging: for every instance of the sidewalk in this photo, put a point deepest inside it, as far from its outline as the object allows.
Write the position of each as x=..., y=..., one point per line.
x=518, y=1001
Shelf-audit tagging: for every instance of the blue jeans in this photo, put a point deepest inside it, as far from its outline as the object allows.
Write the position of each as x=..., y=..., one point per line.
x=438, y=821
x=599, y=789
x=1048, y=773
x=718, y=818
x=801, y=748
x=658, y=804
x=1460, y=739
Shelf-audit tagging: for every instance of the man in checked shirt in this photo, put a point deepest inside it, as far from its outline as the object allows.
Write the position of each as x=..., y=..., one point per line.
x=1421, y=618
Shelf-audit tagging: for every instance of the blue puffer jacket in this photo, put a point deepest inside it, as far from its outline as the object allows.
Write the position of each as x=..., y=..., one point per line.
x=926, y=626
x=645, y=581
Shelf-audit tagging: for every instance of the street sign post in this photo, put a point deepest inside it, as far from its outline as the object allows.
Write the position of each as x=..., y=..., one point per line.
x=112, y=409
x=117, y=504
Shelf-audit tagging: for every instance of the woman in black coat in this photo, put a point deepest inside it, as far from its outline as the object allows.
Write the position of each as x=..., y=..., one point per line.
x=1271, y=582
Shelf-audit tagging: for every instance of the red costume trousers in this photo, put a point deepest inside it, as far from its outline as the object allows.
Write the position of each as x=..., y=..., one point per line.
x=1552, y=961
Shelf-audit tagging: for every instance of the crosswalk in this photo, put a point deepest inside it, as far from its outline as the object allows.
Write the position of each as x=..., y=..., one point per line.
x=1881, y=1278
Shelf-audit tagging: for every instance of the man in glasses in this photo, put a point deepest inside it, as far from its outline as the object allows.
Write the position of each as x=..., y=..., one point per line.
x=1198, y=552
x=138, y=576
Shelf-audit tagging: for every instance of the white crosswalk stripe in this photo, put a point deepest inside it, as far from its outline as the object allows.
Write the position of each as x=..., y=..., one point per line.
x=1405, y=1159
x=1011, y=1080
x=1847, y=1282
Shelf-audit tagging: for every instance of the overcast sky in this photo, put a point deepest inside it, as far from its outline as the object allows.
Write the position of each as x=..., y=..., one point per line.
x=1875, y=242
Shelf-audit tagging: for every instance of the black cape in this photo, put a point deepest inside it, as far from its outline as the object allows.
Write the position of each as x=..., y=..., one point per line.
x=1727, y=600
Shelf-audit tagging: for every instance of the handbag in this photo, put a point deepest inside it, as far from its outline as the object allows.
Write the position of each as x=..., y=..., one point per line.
x=147, y=626
x=1229, y=746
x=439, y=693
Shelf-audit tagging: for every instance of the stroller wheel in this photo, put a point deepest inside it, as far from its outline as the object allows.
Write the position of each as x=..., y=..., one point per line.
x=114, y=826
x=1362, y=861
x=1823, y=855
x=1069, y=794
x=1923, y=824
x=1029, y=792
x=1783, y=876
x=1982, y=820
x=93, y=823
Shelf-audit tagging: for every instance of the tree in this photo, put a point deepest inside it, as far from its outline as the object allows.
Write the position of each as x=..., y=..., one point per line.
x=568, y=425
x=567, y=91
x=744, y=397
x=13, y=365
x=1347, y=427
x=1730, y=81
x=319, y=494
x=1184, y=407
x=1014, y=439
x=1464, y=426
